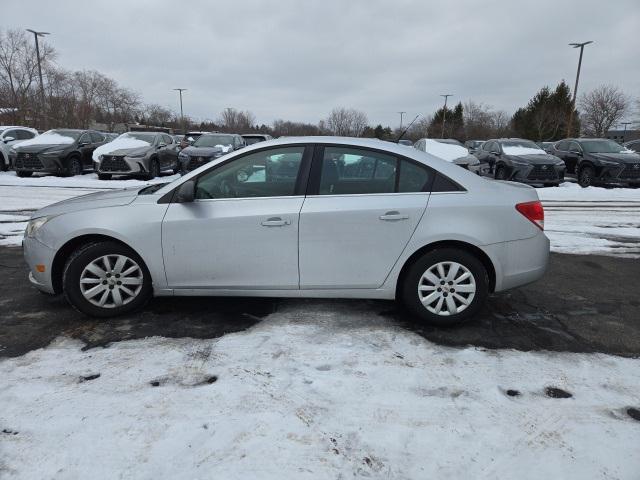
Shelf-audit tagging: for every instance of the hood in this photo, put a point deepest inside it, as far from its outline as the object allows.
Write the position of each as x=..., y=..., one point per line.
x=467, y=160
x=41, y=148
x=617, y=157
x=128, y=151
x=202, y=151
x=536, y=158
x=93, y=200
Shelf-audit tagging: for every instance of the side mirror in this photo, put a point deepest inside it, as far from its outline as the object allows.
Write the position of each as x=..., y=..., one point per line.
x=186, y=192
x=83, y=144
x=494, y=153
x=576, y=152
x=8, y=139
x=162, y=145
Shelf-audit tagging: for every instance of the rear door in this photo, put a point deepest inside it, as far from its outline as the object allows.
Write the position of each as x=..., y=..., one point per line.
x=361, y=210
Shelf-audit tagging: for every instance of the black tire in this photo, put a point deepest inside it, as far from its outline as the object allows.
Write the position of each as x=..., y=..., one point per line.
x=24, y=173
x=413, y=279
x=104, y=176
x=154, y=169
x=4, y=164
x=501, y=173
x=586, y=175
x=84, y=256
x=74, y=167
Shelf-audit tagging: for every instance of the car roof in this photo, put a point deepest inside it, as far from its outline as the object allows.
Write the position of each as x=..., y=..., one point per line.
x=4, y=127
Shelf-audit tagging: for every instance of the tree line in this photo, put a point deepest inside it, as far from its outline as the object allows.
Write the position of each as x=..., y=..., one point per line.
x=79, y=99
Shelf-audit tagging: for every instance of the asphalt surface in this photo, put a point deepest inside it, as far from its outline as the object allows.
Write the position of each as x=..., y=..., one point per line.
x=583, y=304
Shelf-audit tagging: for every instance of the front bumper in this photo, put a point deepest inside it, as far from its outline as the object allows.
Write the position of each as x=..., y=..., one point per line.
x=194, y=161
x=121, y=165
x=538, y=174
x=34, y=162
x=37, y=253
x=627, y=173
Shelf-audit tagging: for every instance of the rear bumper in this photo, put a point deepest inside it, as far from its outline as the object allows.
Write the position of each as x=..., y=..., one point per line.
x=519, y=262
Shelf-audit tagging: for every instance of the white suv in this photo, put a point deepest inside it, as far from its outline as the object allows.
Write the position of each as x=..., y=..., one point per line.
x=10, y=136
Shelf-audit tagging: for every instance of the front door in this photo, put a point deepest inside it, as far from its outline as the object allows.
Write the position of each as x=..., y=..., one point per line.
x=241, y=232
x=361, y=215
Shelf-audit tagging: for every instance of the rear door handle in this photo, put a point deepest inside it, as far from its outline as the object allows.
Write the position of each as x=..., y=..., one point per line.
x=275, y=222
x=393, y=216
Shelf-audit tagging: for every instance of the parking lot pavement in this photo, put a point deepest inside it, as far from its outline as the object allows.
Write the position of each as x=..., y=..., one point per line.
x=583, y=304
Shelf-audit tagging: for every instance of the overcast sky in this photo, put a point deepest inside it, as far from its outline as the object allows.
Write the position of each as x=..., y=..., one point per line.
x=296, y=59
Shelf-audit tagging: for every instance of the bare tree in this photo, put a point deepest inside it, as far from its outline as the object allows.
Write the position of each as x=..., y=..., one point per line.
x=602, y=108
x=236, y=121
x=346, y=122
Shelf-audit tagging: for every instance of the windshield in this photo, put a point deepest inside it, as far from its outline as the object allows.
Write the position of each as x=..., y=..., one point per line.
x=145, y=137
x=252, y=140
x=450, y=141
x=213, y=140
x=64, y=133
x=601, y=146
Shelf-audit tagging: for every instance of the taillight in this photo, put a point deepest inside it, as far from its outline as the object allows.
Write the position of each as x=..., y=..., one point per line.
x=533, y=211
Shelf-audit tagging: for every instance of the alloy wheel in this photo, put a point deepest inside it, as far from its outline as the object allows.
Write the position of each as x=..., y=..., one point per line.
x=447, y=288
x=111, y=281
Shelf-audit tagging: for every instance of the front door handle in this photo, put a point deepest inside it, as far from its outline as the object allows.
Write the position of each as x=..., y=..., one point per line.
x=393, y=216
x=275, y=222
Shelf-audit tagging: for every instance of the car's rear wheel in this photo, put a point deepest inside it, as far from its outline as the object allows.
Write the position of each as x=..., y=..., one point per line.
x=106, y=279
x=445, y=286
x=104, y=176
x=24, y=173
x=586, y=175
x=4, y=164
x=501, y=173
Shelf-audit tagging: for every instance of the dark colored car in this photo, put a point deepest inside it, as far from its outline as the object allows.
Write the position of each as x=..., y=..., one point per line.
x=60, y=152
x=189, y=138
x=473, y=145
x=144, y=154
x=633, y=145
x=599, y=161
x=251, y=138
x=522, y=161
x=208, y=147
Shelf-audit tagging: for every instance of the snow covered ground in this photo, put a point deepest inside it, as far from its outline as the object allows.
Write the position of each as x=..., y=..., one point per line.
x=604, y=221
x=314, y=394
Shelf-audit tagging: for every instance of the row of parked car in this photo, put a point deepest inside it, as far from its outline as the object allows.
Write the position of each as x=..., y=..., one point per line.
x=593, y=161
x=68, y=152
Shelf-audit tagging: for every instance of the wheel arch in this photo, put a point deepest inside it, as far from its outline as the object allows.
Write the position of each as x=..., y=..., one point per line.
x=457, y=244
x=64, y=252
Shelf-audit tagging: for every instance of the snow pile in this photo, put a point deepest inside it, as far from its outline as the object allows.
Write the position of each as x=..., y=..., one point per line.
x=120, y=143
x=48, y=138
x=573, y=192
x=307, y=395
x=445, y=151
x=518, y=151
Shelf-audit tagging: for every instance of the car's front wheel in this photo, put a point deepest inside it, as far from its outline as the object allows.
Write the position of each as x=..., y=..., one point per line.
x=445, y=286
x=106, y=279
x=74, y=167
x=24, y=173
x=585, y=176
x=501, y=173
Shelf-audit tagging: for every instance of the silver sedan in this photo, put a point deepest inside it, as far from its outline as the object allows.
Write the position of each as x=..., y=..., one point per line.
x=297, y=217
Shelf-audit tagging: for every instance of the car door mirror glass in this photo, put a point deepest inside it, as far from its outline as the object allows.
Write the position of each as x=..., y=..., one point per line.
x=162, y=145
x=186, y=192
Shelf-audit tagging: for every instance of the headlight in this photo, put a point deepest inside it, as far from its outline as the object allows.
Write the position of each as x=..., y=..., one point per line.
x=609, y=163
x=560, y=163
x=520, y=163
x=54, y=152
x=137, y=155
x=34, y=225
x=183, y=156
x=12, y=151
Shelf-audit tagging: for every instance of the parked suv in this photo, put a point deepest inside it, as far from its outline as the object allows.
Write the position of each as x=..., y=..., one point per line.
x=521, y=160
x=251, y=138
x=208, y=147
x=10, y=136
x=473, y=145
x=189, y=138
x=145, y=154
x=599, y=161
x=60, y=152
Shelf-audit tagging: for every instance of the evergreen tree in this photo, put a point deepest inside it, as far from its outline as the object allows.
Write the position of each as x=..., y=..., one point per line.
x=453, y=123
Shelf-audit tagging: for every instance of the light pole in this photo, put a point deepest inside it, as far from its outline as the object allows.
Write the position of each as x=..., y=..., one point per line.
x=575, y=89
x=37, y=34
x=624, y=134
x=401, y=114
x=444, y=111
x=180, y=90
